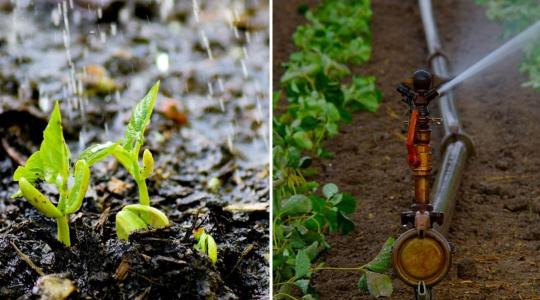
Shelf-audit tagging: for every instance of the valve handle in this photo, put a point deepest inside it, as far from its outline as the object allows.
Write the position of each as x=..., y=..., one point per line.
x=412, y=154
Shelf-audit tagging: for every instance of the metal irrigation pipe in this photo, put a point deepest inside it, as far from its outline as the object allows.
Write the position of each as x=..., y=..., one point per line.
x=456, y=145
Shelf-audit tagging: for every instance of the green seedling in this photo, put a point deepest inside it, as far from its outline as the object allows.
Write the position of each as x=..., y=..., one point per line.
x=51, y=163
x=206, y=244
x=126, y=151
x=138, y=217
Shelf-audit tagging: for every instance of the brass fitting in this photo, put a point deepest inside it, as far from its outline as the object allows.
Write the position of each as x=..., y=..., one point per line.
x=418, y=259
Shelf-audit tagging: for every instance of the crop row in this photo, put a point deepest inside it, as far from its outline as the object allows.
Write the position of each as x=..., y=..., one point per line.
x=313, y=102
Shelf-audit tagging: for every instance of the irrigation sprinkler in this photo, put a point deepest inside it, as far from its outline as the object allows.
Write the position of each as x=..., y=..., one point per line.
x=422, y=255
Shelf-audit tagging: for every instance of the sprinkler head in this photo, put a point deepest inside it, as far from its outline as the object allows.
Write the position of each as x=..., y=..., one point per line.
x=422, y=80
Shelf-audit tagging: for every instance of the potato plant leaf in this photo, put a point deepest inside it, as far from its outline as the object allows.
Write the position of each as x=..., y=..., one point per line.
x=302, y=264
x=140, y=118
x=296, y=204
x=330, y=190
x=383, y=261
x=379, y=285
x=362, y=283
x=303, y=285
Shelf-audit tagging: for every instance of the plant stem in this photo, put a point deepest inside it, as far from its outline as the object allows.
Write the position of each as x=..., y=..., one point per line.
x=63, y=230
x=144, y=199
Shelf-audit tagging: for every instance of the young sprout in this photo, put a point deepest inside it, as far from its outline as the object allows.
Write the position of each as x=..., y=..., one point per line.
x=126, y=151
x=51, y=164
x=206, y=244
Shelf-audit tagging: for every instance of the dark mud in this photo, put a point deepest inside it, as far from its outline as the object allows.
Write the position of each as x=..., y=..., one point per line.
x=495, y=226
x=217, y=130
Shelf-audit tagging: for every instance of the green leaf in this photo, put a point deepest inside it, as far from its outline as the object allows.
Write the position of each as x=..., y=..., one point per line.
x=303, y=285
x=379, y=285
x=347, y=204
x=97, y=152
x=295, y=205
x=330, y=190
x=51, y=161
x=383, y=261
x=126, y=159
x=38, y=200
x=80, y=185
x=301, y=138
x=362, y=283
x=212, y=249
x=53, y=152
x=301, y=264
x=344, y=223
x=140, y=118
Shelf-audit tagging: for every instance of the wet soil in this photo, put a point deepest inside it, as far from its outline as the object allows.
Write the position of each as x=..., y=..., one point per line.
x=215, y=79
x=495, y=226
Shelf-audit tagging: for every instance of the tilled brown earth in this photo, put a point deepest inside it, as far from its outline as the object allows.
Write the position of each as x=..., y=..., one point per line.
x=496, y=226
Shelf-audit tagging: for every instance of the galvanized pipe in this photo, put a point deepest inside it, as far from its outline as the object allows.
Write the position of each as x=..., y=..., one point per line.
x=458, y=146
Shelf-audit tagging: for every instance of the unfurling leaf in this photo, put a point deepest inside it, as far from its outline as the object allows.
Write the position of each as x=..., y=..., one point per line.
x=212, y=249
x=136, y=217
x=206, y=244
x=148, y=164
x=38, y=200
x=78, y=190
x=140, y=118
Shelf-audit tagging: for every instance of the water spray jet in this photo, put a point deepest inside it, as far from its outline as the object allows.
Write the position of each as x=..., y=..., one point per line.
x=518, y=42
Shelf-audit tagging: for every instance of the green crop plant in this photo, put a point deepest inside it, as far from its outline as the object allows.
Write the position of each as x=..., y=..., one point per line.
x=318, y=101
x=126, y=151
x=51, y=163
x=206, y=244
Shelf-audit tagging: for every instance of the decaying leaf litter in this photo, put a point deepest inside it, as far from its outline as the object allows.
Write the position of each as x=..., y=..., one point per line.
x=207, y=136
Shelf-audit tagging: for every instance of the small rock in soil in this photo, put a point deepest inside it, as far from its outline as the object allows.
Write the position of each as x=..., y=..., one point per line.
x=466, y=269
x=53, y=287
